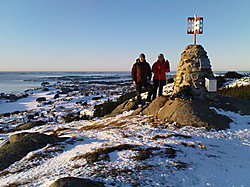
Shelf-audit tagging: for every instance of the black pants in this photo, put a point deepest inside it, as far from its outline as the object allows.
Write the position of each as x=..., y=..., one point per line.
x=139, y=86
x=158, y=84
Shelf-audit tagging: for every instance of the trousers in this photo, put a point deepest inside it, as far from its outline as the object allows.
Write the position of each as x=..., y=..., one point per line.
x=158, y=84
x=139, y=86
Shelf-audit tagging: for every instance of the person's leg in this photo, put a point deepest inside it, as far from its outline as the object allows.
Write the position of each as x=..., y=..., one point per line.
x=138, y=91
x=150, y=91
x=162, y=83
x=156, y=84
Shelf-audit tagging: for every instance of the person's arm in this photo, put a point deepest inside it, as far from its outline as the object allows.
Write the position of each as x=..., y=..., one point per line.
x=149, y=73
x=168, y=66
x=154, y=68
x=133, y=74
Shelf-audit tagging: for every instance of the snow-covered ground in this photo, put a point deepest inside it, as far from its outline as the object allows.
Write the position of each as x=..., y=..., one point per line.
x=237, y=82
x=151, y=153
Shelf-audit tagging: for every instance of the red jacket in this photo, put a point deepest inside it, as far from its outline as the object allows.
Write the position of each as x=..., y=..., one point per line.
x=160, y=68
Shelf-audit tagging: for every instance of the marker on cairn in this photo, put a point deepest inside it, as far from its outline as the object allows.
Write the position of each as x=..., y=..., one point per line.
x=194, y=77
x=195, y=26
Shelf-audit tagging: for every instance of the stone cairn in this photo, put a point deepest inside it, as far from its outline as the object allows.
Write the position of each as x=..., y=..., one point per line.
x=193, y=68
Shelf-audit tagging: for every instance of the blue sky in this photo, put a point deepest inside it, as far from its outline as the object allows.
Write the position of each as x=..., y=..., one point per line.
x=108, y=35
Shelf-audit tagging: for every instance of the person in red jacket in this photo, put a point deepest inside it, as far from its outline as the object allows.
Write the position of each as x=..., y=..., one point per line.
x=160, y=67
x=141, y=75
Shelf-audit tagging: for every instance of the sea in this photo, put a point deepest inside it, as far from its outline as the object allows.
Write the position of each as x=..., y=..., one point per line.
x=12, y=82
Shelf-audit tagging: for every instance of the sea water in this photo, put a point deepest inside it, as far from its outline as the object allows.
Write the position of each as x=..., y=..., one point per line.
x=16, y=82
x=19, y=81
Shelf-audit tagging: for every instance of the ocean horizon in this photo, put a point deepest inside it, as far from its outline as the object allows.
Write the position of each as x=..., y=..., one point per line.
x=12, y=82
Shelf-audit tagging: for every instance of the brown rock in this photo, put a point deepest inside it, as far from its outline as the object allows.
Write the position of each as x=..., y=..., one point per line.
x=193, y=112
x=75, y=182
x=155, y=106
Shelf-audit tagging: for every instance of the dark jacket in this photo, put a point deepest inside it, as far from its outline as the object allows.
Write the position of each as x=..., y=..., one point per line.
x=159, y=69
x=141, y=72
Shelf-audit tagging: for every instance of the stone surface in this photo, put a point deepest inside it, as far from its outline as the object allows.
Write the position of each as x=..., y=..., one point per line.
x=193, y=113
x=25, y=126
x=155, y=106
x=193, y=67
x=75, y=182
x=21, y=144
x=126, y=106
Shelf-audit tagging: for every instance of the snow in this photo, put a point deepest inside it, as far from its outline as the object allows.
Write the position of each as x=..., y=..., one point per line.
x=204, y=158
x=237, y=82
x=27, y=103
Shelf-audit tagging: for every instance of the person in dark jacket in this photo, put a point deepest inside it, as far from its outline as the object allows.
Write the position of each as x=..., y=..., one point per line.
x=141, y=76
x=160, y=67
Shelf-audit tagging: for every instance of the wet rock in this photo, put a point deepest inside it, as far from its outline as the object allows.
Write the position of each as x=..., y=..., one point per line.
x=41, y=99
x=65, y=90
x=44, y=83
x=45, y=89
x=75, y=182
x=21, y=144
x=56, y=96
x=97, y=98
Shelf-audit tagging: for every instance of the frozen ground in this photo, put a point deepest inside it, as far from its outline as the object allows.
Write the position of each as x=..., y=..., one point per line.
x=151, y=153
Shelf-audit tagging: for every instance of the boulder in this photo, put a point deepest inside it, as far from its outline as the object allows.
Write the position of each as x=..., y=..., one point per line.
x=56, y=96
x=233, y=75
x=195, y=112
x=155, y=106
x=126, y=106
x=75, y=182
x=66, y=90
x=45, y=89
x=25, y=126
x=19, y=145
x=41, y=99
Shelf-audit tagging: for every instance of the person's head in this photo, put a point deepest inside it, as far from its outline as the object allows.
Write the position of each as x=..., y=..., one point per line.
x=160, y=57
x=142, y=57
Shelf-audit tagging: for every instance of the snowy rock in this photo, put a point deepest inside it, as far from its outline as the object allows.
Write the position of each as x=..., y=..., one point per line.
x=21, y=144
x=56, y=96
x=66, y=90
x=194, y=113
x=74, y=182
x=26, y=126
x=41, y=99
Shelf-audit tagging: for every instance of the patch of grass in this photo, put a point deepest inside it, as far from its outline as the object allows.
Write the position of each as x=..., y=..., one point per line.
x=178, y=165
x=102, y=153
x=157, y=136
x=112, y=124
x=45, y=153
x=237, y=91
x=143, y=155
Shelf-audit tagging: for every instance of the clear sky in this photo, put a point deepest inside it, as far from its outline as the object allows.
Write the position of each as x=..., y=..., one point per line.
x=108, y=35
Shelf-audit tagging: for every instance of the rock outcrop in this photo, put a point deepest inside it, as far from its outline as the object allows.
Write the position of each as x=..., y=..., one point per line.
x=191, y=103
x=75, y=182
x=20, y=144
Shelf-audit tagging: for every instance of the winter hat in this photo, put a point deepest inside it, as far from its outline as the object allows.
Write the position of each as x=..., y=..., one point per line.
x=142, y=55
x=161, y=55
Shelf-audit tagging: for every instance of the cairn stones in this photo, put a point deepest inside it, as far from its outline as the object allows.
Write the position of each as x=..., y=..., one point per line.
x=193, y=68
